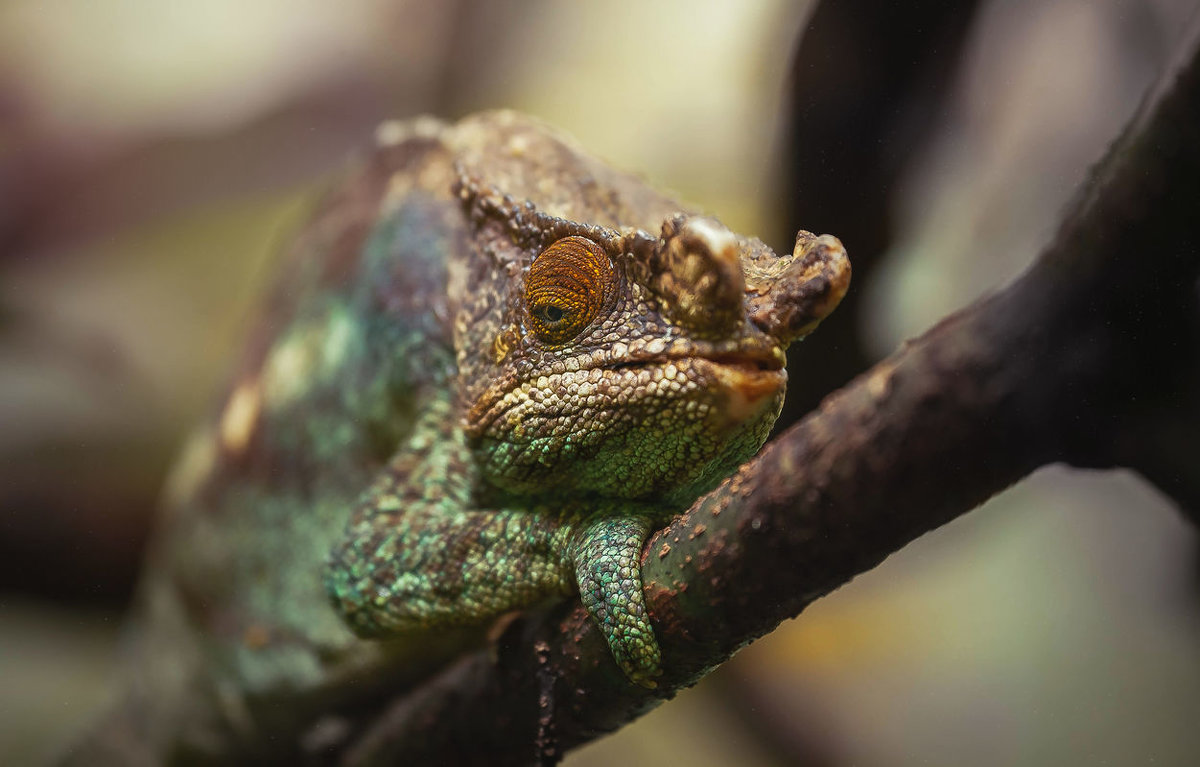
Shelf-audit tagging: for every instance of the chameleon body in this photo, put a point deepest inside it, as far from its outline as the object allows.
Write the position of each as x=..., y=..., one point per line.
x=492, y=365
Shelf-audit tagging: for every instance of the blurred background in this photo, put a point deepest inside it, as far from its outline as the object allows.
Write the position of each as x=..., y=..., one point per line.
x=154, y=155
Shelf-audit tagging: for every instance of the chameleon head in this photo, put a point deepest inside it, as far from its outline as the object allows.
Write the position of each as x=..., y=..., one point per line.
x=632, y=366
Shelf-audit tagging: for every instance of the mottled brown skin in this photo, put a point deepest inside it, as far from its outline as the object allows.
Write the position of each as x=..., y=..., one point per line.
x=492, y=366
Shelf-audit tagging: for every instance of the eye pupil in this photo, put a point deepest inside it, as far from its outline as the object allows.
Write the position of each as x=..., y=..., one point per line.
x=552, y=313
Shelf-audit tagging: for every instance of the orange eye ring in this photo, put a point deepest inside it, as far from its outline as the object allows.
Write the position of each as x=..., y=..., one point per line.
x=567, y=286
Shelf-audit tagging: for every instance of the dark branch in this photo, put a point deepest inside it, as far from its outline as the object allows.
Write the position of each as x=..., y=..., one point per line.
x=1084, y=359
x=852, y=132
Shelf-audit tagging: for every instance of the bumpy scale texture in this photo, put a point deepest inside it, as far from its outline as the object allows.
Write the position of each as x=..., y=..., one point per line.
x=492, y=368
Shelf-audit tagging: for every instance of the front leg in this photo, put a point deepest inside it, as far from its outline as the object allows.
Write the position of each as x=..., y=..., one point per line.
x=411, y=564
x=425, y=566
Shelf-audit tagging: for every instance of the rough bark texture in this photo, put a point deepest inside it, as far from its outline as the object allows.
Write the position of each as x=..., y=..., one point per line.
x=1089, y=358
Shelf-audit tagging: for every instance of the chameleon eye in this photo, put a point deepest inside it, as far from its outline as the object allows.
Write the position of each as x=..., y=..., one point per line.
x=566, y=288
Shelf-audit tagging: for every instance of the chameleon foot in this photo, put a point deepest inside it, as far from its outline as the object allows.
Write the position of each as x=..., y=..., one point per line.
x=608, y=569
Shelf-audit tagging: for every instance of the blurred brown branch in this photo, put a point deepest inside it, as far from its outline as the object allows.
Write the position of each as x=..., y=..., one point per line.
x=852, y=133
x=1090, y=358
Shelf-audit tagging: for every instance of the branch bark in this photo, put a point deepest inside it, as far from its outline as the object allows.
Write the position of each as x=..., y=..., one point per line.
x=1089, y=358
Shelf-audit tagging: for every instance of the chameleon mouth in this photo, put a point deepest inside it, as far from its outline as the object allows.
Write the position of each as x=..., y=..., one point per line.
x=749, y=361
x=748, y=380
x=748, y=376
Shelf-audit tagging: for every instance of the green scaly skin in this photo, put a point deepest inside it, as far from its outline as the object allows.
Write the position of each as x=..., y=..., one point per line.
x=398, y=453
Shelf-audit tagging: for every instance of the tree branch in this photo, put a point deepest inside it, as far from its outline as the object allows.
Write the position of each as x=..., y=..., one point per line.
x=1083, y=359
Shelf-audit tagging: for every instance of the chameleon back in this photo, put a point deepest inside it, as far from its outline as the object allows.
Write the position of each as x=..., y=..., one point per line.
x=354, y=338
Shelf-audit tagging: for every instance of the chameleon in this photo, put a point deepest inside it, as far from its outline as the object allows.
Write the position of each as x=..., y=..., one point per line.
x=490, y=367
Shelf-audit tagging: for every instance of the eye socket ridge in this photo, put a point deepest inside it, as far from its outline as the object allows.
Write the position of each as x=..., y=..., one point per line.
x=566, y=287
